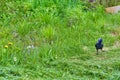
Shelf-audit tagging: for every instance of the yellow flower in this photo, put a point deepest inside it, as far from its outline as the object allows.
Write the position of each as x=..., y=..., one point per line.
x=6, y=46
x=10, y=43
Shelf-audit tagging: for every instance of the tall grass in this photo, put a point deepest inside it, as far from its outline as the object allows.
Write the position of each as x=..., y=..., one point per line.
x=53, y=37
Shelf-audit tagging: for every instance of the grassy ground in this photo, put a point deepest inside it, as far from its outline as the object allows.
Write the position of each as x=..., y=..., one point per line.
x=54, y=40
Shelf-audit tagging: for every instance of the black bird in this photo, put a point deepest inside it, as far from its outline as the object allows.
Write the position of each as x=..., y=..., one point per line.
x=99, y=45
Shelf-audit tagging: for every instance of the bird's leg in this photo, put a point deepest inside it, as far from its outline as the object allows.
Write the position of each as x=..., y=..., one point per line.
x=97, y=52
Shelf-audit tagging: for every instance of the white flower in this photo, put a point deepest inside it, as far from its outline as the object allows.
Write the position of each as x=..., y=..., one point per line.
x=15, y=59
x=30, y=47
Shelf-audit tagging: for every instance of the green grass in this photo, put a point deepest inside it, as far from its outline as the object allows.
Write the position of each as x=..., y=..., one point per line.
x=54, y=40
